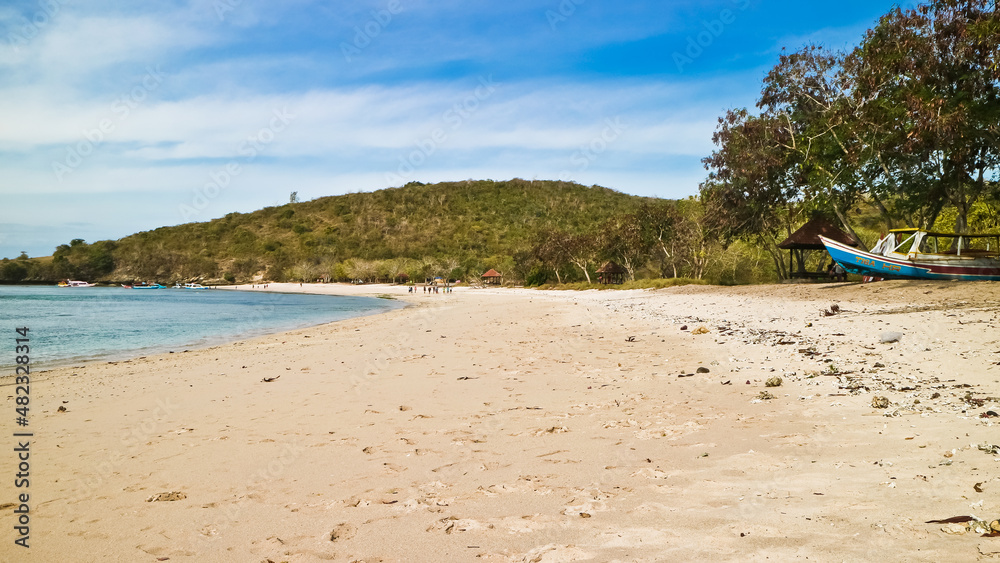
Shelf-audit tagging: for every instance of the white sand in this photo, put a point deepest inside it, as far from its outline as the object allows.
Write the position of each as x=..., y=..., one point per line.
x=517, y=425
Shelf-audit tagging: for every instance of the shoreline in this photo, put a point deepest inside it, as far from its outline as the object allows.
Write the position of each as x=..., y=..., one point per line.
x=521, y=425
x=206, y=342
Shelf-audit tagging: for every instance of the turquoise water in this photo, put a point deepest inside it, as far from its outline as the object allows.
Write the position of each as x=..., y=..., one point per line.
x=69, y=325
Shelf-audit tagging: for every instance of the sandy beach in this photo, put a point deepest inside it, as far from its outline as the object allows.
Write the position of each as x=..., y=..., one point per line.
x=515, y=425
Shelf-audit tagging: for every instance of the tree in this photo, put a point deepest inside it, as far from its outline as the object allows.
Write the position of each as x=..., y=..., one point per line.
x=910, y=120
x=749, y=193
x=933, y=74
x=694, y=246
x=807, y=95
x=580, y=250
x=13, y=271
x=551, y=254
x=624, y=240
x=659, y=220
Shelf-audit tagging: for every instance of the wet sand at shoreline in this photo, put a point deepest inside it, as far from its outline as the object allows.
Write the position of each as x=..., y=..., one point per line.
x=518, y=425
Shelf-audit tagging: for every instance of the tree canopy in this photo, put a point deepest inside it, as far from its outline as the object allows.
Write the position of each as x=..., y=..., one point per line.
x=908, y=120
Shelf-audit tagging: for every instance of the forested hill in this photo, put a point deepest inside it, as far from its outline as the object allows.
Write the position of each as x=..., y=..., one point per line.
x=449, y=228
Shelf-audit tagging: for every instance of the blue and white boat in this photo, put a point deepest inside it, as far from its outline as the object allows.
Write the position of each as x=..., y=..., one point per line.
x=925, y=255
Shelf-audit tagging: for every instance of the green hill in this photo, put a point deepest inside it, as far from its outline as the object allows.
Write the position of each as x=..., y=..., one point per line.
x=453, y=228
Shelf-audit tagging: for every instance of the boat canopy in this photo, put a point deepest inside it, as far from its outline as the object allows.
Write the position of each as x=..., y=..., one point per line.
x=933, y=242
x=910, y=231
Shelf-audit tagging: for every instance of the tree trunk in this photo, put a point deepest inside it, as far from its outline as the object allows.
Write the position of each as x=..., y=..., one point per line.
x=889, y=223
x=630, y=267
x=779, y=261
x=843, y=221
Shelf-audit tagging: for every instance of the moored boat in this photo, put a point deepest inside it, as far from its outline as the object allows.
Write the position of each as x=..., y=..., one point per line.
x=144, y=286
x=193, y=286
x=75, y=283
x=928, y=255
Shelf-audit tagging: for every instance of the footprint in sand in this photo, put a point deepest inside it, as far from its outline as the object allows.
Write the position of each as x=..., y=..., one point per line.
x=343, y=531
x=650, y=473
x=588, y=507
x=167, y=497
x=545, y=431
x=629, y=538
x=392, y=468
x=453, y=524
x=166, y=551
x=552, y=553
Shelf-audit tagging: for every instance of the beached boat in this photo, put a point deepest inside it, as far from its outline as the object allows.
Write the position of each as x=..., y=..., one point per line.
x=73, y=283
x=926, y=255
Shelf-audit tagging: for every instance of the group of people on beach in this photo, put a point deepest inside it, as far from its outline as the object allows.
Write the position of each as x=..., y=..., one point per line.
x=432, y=289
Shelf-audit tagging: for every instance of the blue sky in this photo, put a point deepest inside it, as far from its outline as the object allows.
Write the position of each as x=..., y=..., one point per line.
x=117, y=118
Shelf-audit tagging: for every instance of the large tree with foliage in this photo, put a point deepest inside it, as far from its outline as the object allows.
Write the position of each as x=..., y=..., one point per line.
x=908, y=120
x=750, y=192
x=930, y=81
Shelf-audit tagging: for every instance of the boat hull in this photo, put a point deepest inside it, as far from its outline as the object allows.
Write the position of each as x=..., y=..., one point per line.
x=898, y=266
x=76, y=284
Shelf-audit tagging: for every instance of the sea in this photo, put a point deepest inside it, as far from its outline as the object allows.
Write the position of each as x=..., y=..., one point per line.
x=67, y=326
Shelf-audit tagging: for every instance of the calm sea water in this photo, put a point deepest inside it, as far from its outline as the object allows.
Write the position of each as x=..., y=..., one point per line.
x=68, y=325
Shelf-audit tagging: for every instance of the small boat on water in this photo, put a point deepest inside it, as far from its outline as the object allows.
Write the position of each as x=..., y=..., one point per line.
x=193, y=286
x=924, y=255
x=74, y=283
x=143, y=286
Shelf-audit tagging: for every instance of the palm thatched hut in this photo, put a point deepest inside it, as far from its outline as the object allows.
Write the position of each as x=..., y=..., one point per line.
x=807, y=239
x=611, y=273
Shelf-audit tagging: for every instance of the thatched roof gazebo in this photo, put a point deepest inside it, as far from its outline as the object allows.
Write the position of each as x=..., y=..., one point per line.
x=492, y=277
x=807, y=238
x=611, y=273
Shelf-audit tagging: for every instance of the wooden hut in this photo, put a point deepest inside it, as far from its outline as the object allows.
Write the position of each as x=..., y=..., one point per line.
x=807, y=239
x=611, y=273
x=492, y=277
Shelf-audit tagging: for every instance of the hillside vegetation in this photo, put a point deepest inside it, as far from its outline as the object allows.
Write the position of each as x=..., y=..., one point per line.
x=454, y=229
